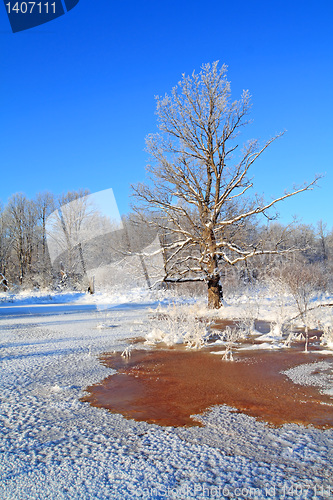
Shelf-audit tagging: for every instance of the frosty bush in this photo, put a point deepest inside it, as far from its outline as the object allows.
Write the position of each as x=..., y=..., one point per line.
x=249, y=312
x=231, y=336
x=178, y=325
x=284, y=304
x=303, y=282
x=327, y=337
x=127, y=352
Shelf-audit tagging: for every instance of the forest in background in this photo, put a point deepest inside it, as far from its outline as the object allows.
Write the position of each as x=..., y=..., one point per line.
x=25, y=261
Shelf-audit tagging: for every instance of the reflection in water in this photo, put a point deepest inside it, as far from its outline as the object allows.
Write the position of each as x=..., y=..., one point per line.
x=167, y=386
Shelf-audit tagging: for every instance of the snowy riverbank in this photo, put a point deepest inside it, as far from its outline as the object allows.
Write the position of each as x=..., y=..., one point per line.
x=53, y=446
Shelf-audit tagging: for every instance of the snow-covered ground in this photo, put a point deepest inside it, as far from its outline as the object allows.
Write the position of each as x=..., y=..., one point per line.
x=54, y=447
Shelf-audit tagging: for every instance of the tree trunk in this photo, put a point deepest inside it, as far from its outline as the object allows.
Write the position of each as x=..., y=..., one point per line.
x=306, y=338
x=214, y=286
x=215, y=294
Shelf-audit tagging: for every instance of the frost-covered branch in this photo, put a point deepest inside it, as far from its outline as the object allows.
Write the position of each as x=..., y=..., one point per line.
x=199, y=179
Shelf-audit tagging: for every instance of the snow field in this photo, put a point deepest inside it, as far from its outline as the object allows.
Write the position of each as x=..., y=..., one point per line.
x=53, y=446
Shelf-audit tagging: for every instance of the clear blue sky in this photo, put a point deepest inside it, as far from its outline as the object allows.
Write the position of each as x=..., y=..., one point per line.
x=77, y=94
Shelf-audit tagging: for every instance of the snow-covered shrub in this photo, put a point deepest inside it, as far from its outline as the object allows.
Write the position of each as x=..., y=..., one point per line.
x=127, y=352
x=230, y=336
x=249, y=313
x=327, y=337
x=281, y=304
x=178, y=324
x=303, y=282
x=292, y=335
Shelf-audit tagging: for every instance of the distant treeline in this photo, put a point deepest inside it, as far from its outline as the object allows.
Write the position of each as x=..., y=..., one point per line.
x=25, y=259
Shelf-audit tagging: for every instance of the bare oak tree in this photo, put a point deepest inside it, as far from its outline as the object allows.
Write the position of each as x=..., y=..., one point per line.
x=199, y=180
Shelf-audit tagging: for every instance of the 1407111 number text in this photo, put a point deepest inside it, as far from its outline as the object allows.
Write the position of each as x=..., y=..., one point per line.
x=31, y=7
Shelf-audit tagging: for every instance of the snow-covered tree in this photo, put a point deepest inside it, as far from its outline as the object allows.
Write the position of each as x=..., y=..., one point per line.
x=22, y=224
x=200, y=180
x=304, y=282
x=82, y=237
x=5, y=241
x=44, y=206
x=66, y=229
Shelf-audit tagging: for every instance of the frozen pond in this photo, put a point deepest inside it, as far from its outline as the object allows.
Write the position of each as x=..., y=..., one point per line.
x=54, y=446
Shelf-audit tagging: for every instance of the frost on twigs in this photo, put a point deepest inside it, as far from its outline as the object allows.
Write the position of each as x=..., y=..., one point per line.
x=199, y=189
x=284, y=307
x=327, y=337
x=300, y=331
x=230, y=336
x=304, y=282
x=292, y=335
x=127, y=352
x=178, y=325
x=3, y=283
x=103, y=313
x=227, y=356
x=249, y=313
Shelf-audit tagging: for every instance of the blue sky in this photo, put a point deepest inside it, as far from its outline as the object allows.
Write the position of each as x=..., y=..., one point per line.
x=77, y=94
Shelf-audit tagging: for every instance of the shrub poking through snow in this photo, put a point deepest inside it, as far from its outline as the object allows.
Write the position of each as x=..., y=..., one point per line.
x=230, y=336
x=327, y=337
x=181, y=325
x=127, y=352
x=304, y=282
x=178, y=325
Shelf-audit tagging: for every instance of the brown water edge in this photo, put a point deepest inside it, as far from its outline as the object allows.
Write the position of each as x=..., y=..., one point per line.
x=167, y=386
